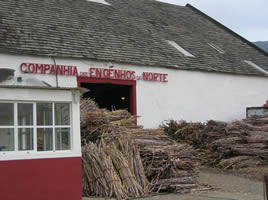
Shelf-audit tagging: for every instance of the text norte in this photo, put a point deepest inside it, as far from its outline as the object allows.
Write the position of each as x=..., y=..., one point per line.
x=34, y=68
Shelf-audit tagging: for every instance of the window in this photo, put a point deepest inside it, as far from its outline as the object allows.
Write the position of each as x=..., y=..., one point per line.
x=252, y=64
x=221, y=51
x=100, y=1
x=40, y=127
x=7, y=127
x=179, y=48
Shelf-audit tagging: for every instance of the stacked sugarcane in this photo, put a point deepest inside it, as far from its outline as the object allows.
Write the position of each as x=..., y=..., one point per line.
x=108, y=171
x=231, y=145
x=95, y=121
x=111, y=165
x=169, y=166
x=124, y=161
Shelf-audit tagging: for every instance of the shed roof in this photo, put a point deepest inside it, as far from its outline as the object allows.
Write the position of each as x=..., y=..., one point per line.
x=126, y=31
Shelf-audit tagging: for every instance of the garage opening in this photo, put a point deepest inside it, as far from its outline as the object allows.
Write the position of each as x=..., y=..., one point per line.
x=110, y=94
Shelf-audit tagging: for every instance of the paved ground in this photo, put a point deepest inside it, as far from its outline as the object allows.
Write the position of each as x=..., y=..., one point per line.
x=231, y=187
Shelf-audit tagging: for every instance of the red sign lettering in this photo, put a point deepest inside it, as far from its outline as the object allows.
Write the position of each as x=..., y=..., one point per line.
x=65, y=70
x=35, y=68
x=149, y=76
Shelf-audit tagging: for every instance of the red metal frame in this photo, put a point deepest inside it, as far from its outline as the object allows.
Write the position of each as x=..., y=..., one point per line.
x=132, y=83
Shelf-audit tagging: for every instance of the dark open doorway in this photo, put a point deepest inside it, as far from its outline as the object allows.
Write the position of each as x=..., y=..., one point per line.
x=111, y=94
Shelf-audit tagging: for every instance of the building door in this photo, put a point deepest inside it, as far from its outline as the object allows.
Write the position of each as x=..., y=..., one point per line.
x=110, y=94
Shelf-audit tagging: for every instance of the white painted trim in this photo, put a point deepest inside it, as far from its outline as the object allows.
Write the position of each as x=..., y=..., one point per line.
x=25, y=126
x=30, y=95
x=252, y=64
x=64, y=126
x=53, y=129
x=16, y=130
x=180, y=49
x=71, y=138
x=29, y=155
x=35, y=125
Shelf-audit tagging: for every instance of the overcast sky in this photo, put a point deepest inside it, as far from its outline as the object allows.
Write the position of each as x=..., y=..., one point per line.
x=249, y=18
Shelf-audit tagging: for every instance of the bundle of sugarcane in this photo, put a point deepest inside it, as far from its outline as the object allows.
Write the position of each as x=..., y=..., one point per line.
x=243, y=139
x=195, y=134
x=218, y=143
x=87, y=106
x=91, y=114
x=168, y=165
x=125, y=144
x=95, y=121
x=108, y=170
x=99, y=177
x=258, y=120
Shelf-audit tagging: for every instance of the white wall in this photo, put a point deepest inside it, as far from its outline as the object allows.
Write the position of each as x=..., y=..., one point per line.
x=199, y=96
x=188, y=95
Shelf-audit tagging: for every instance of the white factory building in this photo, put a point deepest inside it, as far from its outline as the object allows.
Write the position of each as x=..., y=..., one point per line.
x=157, y=60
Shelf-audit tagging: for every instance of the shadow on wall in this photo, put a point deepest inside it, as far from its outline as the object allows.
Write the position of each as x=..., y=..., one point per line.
x=7, y=77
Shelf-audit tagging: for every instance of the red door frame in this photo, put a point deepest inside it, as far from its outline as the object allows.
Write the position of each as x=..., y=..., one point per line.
x=132, y=84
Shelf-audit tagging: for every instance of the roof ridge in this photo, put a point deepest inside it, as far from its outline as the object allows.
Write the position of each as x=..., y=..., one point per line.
x=226, y=28
x=161, y=2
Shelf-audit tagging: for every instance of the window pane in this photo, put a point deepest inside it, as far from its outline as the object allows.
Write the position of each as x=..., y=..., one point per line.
x=62, y=138
x=44, y=139
x=6, y=114
x=25, y=139
x=44, y=114
x=62, y=114
x=25, y=114
x=6, y=139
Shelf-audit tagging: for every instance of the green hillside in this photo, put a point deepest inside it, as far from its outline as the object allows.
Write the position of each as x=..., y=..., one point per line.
x=263, y=45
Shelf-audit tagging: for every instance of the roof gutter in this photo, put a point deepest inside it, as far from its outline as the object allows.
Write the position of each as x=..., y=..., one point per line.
x=37, y=87
x=227, y=29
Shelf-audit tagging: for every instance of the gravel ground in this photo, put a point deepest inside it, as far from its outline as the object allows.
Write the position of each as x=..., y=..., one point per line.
x=231, y=186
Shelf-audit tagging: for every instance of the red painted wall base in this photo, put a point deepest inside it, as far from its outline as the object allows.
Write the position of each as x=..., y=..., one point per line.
x=41, y=179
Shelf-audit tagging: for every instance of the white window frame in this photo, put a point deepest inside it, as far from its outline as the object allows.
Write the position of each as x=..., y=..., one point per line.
x=220, y=50
x=16, y=128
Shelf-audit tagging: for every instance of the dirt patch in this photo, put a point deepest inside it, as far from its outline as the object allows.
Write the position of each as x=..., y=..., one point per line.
x=232, y=184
